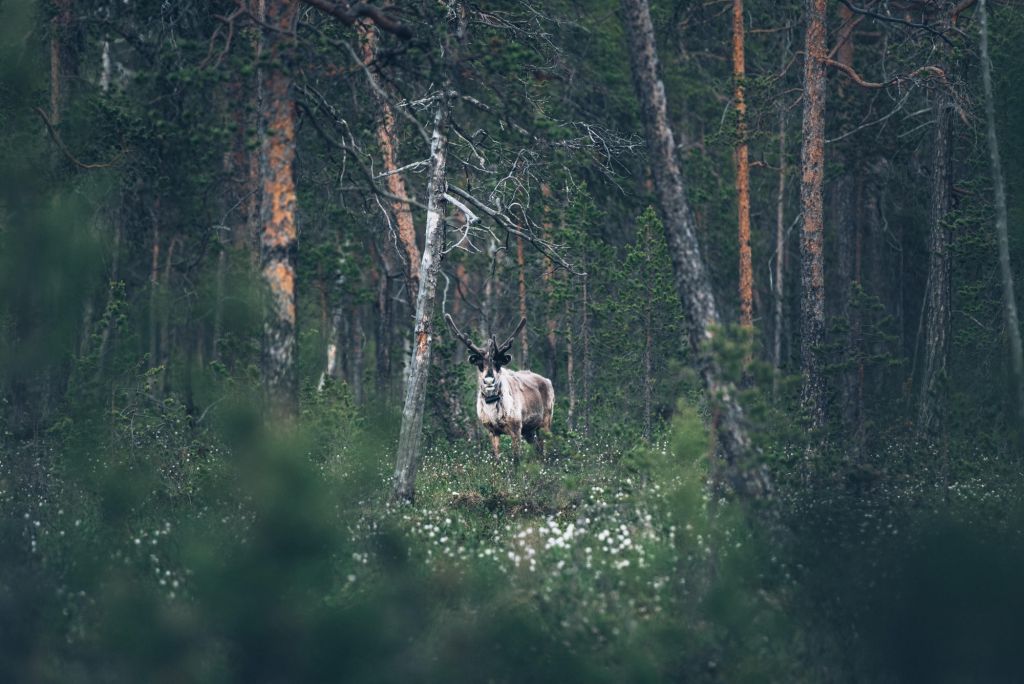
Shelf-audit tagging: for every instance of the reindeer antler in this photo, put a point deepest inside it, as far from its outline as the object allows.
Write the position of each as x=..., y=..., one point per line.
x=464, y=338
x=511, y=338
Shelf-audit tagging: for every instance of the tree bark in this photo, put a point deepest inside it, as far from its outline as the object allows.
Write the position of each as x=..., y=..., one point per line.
x=587, y=361
x=278, y=238
x=248, y=235
x=154, y=282
x=648, y=353
x=570, y=368
x=489, y=311
x=691, y=277
x=387, y=141
x=937, y=297
x=113, y=290
x=999, y=189
x=812, y=268
x=60, y=25
x=780, y=246
x=408, y=456
x=844, y=207
x=165, y=317
x=550, y=324
x=524, y=354
x=416, y=386
x=746, y=268
x=847, y=217
x=358, y=355
x=382, y=343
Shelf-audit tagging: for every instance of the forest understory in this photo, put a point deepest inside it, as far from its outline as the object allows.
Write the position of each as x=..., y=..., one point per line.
x=501, y=341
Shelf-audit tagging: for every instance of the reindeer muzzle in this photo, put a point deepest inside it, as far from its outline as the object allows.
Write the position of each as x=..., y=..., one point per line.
x=491, y=392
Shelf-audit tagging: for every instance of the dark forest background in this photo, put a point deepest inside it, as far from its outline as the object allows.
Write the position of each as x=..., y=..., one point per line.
x=789, y=418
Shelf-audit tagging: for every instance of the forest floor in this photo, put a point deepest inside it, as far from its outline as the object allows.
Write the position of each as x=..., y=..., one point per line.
x=605, y=560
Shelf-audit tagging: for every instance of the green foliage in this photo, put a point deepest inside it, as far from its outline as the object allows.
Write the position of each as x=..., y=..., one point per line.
x=155, y=528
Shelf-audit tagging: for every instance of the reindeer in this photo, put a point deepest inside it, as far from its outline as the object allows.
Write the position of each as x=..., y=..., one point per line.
x=513, y=403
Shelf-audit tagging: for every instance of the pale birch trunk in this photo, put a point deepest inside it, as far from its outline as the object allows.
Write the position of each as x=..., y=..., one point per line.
x=999, y=189
x=409, y=441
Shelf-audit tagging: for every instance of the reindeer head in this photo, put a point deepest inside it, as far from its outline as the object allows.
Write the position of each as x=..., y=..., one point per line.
x=489, y=360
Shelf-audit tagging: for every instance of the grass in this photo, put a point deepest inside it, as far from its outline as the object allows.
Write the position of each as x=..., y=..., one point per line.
x=226, y=556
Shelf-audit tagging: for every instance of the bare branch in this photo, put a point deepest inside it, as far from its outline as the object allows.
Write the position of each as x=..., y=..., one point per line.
x=896, y=20
x=936, y=71
x=509, y=225
x=360, y=10
x=359, y=162
x=959, y=9
x=67, y=153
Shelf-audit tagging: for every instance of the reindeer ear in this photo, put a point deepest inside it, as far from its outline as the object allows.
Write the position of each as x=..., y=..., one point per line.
x=504, y=360
x=475, y=359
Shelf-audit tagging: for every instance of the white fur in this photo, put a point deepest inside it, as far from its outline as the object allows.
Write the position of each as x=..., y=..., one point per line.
x=523, y=405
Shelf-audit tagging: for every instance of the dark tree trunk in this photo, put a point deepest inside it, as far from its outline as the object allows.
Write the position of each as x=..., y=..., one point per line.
x=60, y=56
x=691, y=277
x=154, y=282
x=382, y=343
x=358, y=355
x=648, y=352
x=780, y=247
x=937, y=297
x=113, y=290
x=278, y=239
x=165, y=318
x=524, y=349
x=570, y=368
x=845, y=207
x=812, y=267
x=492, y=286
x=847, y=217
x=587, y=361
x=550, y=324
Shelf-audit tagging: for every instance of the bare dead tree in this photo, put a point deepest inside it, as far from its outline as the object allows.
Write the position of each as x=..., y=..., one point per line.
x=692, y=281
x=409, y=451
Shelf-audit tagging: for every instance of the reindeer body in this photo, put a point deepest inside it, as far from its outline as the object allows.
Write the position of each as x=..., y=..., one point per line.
x=523, y=408
x=514, y=403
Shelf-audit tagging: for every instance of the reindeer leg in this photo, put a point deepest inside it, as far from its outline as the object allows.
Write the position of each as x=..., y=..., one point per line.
x=496, y=448
x=517, y=447
x=536, y=439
